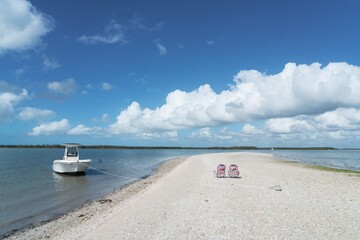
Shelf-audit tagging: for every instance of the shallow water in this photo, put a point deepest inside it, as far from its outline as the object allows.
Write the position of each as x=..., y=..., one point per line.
x=30, y=192
x=342, y=159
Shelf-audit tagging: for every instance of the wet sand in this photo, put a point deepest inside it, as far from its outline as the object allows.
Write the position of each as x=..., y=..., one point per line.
x=272, y=199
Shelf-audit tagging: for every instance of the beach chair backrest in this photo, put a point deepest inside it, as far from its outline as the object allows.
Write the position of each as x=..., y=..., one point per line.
x=233, y=167
x=221, y=167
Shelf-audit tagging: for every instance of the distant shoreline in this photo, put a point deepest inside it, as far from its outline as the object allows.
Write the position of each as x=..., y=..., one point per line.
x=175, y=147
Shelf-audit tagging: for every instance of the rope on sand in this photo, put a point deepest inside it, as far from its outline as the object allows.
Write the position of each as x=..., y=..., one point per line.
x=275, y=188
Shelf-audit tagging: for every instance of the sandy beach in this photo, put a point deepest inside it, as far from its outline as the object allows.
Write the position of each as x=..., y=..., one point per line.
x=272, y=199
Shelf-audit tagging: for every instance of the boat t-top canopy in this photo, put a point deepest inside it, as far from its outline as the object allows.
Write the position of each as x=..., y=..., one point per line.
x=71, y=144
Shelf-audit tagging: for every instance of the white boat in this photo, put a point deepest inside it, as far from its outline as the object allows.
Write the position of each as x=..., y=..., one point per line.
x=71, y=164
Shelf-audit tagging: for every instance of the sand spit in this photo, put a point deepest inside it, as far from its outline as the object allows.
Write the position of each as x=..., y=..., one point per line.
x=271, y=200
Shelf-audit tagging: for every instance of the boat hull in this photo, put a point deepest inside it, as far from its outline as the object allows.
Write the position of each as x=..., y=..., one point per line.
x=71, y=167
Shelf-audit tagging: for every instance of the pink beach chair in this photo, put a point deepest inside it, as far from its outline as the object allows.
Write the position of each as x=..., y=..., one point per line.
x=220, y=171
x=233, y=171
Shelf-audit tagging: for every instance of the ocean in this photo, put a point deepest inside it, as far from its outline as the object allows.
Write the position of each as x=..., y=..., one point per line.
x=31, y=193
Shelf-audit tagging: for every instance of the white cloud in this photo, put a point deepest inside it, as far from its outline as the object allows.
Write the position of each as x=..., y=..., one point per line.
x=106, y=39
x=88, y=87
x=10, y=96
x=339, y=124
x=63, y=127
x=29, y=113
x=126, y=120
x=209, y=134
x=249, y=129
x=49, y=64
x=60, y=127
x=297, y=90
x=83, y=130
x=341, y=118
x=203, y=133
x=113, y=33
x=162, y=49
x=103, y=118
x=169, y=135
x=137, y=23
x=21, y=25
x=66, y=87
x=106, y=86
x=289, y=125
x=116, y=33
x=182, y=110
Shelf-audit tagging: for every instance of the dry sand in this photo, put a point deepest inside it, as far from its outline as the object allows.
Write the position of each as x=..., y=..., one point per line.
x=185, y=201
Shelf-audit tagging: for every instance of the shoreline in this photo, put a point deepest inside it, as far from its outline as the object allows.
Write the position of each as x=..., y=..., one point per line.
x=183, y=199
x=90, y=208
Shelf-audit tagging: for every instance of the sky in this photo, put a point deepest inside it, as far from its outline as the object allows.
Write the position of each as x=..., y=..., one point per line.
x=180, y=73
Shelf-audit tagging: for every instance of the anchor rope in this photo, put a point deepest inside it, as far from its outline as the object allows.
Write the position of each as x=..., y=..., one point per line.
x=108, y=173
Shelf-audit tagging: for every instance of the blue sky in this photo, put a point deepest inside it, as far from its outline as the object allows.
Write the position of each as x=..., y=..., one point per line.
x=180, y=73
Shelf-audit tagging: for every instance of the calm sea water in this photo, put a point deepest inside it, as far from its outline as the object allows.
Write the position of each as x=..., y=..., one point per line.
x=30, y=192
x=343, y=159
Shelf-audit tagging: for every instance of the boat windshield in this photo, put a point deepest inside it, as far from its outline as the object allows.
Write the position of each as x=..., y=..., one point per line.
x=72, y=152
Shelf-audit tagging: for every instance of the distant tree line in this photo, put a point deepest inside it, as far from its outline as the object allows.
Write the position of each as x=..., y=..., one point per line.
x=170, y=147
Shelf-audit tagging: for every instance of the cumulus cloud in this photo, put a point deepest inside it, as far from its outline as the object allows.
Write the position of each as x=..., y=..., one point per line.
x=249, y=129
x=203, y=133
x=208, y=134
x=63, y=127
x=341, y=118
x=170, y=135
x=83, y=130
x=337, y=120
x=289, y=125
x=326, y=128
x=56, y=127
x=10, y=96
x=296, y=90
x=182, y=110
x=29, y=113
x=65, y=87
x=162, y=49
x=21, y=25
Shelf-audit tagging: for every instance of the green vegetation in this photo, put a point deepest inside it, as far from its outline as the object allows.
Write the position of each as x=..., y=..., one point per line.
x=329, y=169
x=129, y=147
x=33, y=146
x=321, y=168
x=169, y=147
